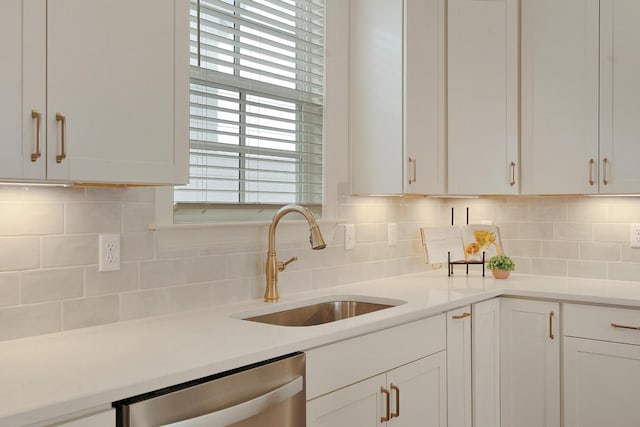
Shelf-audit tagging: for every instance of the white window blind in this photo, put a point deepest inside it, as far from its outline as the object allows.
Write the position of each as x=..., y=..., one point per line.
x=256, y=103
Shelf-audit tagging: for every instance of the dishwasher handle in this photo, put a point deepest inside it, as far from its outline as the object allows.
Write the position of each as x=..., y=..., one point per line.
x=244, y=410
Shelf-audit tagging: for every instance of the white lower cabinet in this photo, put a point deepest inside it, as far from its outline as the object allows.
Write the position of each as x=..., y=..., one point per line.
x=529, y=363
x=485, y=369
x=409, y=396
x=601, y=366
x=459, y=367
x=396, y=376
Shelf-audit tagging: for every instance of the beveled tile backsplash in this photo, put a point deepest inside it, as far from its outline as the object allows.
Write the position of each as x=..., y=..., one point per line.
x=49, y=280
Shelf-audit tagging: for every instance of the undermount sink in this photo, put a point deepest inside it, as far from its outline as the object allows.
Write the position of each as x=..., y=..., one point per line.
x=322, y=312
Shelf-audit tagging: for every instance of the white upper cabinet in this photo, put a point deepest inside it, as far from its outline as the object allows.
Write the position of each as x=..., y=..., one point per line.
x=483, y=98
x=619, y=96
x=115, y=88
x=23, y=87
x=559, y=96
x=397, y=131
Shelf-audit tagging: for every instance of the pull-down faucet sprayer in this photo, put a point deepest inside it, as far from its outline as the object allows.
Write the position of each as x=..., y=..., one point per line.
x=271, y=293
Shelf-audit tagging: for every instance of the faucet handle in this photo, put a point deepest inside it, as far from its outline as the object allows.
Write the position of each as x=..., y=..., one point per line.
x=283, y=265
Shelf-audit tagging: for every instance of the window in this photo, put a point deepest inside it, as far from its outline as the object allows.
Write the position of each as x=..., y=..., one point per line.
x=256, y=108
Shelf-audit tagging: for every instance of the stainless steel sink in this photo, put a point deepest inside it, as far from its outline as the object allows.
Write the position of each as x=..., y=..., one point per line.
x=321, y=312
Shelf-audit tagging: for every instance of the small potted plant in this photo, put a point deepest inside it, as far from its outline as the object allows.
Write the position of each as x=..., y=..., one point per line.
x=501, y=266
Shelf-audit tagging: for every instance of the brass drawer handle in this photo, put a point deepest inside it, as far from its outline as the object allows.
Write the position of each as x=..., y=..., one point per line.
x=605, y=163
x=387, y=417
x=551, y=325
x=461, y=316
x=635, y=328
x=513, y=174
x=397, y=390
x=36, y=154
x=415, y=171
x=591, y=163
x=63, y=149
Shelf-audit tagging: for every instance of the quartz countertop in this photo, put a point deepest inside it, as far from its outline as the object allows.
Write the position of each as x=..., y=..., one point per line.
x=53, y=375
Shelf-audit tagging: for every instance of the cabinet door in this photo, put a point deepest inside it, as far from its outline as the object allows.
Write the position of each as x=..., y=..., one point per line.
x=560, y=60
x=482, y=54
x=376, y=97
x=424, y=97
x=619, y=101
x=22, y=85
x=601, y=383
x=358, y=405
x=419, y=393
x=459, y=367
x=485, y=319
x=530, y=363
x=111, y=73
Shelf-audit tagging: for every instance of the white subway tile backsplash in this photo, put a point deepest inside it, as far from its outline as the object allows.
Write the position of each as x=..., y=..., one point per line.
x=134, y=305
x=49, y=280
x=587, y=269
x=19, y=253
x=28, y=320
x=59, y=251
x=190, y=297
x=206, y=269
x=157, y=274
x=111, y=282
x=596, y=251
x=93, y=218
x=27, y=219
x=85, y=312
x=51, y=285
x=9, y=289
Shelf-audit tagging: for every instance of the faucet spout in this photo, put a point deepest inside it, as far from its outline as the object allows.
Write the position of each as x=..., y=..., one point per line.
x=316, y=240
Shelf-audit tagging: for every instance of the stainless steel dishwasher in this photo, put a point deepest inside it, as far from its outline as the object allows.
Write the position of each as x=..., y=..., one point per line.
x=271, y=393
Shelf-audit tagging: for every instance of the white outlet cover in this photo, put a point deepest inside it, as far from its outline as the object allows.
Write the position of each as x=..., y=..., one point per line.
x=349, y=236
x=109, y=252
x=634, y=235
x=392, y=234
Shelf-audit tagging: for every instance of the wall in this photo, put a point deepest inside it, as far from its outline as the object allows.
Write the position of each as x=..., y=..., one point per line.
x=584, y=237
x=49, y=279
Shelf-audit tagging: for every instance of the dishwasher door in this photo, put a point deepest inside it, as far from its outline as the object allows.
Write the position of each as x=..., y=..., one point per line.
x=266, y=394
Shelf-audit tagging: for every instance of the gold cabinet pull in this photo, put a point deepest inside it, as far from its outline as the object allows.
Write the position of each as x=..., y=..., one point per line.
x=387, y=415
x=635, y=328
x=397, y=411
x=461, y=316
x=63, y=149
x=551, y=325
x=513, y=174
x=591, y=163
x=414, y=177
x=605, y=163
x=36, y=154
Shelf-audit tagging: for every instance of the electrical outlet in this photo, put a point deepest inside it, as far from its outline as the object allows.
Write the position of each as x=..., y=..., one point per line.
x=635, y=235
x=349, y=236
x=392, y=234
x=109, y=252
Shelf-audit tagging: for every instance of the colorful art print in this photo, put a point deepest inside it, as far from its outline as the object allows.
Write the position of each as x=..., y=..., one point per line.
x=479, y=238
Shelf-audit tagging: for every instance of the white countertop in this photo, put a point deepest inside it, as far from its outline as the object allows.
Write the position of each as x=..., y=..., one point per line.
x=52, y=375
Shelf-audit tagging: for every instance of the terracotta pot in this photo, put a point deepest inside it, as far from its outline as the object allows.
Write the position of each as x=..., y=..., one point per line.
x=501, y=274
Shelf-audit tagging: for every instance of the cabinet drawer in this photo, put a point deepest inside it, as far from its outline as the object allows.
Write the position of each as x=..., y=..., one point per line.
x=346, y=362
x=595, y=322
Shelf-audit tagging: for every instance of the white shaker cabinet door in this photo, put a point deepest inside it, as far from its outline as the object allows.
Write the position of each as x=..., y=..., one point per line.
x=22, y=89
x=619, y=100
x=459, y=367
x=482, y=80
x=114, y=89
x=601, y=383
x=560, y=48
x=530, y=363
x=485, y=369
